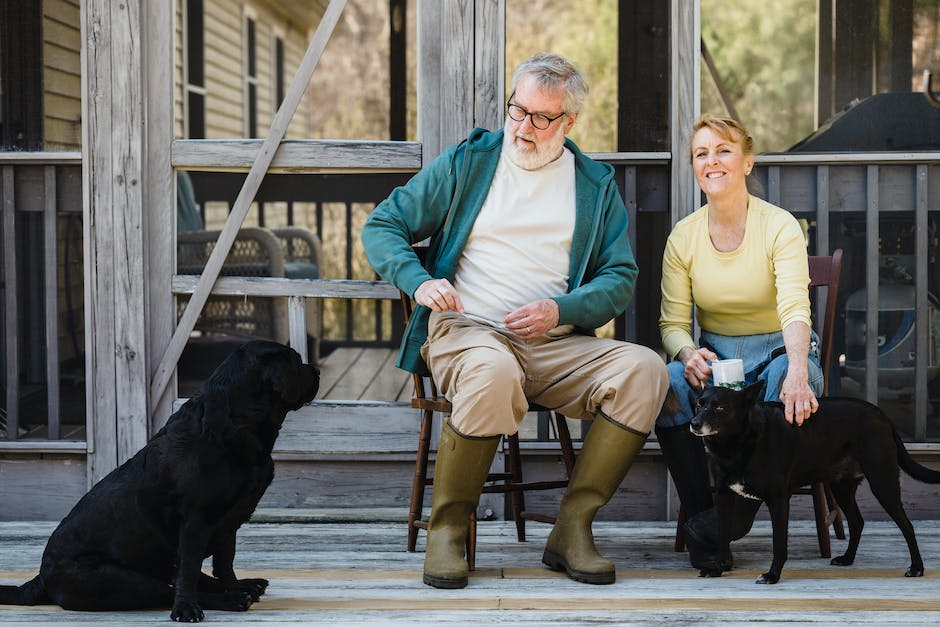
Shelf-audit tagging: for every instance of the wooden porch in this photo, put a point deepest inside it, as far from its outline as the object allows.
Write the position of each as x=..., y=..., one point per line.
x=361, y=574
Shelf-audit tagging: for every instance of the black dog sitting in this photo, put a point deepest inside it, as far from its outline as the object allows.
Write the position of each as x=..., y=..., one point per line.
x=138, y=538
x=756, y=453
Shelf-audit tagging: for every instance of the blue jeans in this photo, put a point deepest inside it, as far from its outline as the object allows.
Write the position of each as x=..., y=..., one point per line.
x=755, y=351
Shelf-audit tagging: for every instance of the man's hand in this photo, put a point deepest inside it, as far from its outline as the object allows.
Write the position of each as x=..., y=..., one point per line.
x=534, y=319
x=438, y=295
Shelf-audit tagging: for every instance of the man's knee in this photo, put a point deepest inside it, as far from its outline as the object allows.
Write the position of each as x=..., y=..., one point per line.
x=641, y=390
x=652, y=371
x=488, y=396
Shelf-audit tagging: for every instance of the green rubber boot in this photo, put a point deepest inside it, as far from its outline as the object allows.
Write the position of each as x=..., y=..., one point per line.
x=459, y=472
x=607, y=454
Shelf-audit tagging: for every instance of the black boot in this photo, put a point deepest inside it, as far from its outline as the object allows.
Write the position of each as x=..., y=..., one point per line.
x=701, y=536
x=684, y=455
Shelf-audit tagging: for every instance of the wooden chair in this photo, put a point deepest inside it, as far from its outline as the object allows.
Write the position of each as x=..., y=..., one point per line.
x=429, y=400
x=824, y=271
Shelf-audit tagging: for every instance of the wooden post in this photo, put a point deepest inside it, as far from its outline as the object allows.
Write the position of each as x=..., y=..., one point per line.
x=113, y=184
x=685, y=90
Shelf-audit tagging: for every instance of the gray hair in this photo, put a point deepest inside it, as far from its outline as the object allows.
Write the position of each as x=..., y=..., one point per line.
x=552, y=71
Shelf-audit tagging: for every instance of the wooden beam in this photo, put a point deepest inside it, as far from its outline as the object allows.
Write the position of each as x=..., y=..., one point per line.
x=429, y=78
x=312, y=155
x=51, y=270
x=243, y=202
x=113, y=181
x=9, y=302
x=456, y=70
x=685, y=90
x=159, y=196
x=489, y=73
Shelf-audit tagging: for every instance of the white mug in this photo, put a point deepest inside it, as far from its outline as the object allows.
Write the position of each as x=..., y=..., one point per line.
x=728, y=373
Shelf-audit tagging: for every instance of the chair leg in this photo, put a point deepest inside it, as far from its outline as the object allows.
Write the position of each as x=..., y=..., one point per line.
x=516, y=497
x=835, y=513
x=419, y=482
x=821, y=511
x=564, y=439
x=681, y=519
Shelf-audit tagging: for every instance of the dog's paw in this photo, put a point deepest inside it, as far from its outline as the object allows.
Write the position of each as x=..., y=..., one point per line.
x=915, y=571
x=185, y=611
x=842, y=560
x=238, y=601
x=710, y=572
x=254, y=587
x=231, y=600
x=768, y=578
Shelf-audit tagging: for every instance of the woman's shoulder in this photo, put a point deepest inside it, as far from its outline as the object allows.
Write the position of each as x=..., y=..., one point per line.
x=777, y=223
x=692, y=221
x=769, y=210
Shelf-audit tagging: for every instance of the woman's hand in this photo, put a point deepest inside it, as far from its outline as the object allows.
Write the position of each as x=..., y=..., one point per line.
x=798, y=399
x=696, y=365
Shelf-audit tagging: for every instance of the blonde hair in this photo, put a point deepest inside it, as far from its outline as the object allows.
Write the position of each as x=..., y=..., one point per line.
x=725, y=127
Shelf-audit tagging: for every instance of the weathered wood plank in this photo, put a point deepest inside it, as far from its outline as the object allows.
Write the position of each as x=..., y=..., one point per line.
x=685, y=63
x=125, y=149
x=159, y=196
x=429, y=79
x=334, y=367
x=456, y=70
x=98, y=230
x=361, y=375
x=50, y=281
x=489, y=51
x=40, y=488
x=10, y=291
x=235, y=155
x=311, y=288
x=349, y=427
x=357, y=573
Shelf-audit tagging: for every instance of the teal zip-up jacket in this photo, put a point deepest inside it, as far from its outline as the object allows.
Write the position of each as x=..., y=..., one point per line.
x=442, y=201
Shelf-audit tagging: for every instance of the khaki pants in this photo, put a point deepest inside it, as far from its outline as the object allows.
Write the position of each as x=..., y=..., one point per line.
x=489, y=375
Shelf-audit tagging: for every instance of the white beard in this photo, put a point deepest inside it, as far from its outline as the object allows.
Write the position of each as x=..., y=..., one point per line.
x=533, y=158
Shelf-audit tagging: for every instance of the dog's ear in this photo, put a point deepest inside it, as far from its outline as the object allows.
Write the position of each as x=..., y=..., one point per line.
x=754, y=393
x=694, y=394
x=281, y=374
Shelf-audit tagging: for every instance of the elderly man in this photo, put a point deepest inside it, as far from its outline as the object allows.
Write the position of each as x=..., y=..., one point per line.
x=529, y=253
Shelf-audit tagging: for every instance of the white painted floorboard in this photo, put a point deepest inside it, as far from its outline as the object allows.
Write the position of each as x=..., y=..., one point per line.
x=360, y=574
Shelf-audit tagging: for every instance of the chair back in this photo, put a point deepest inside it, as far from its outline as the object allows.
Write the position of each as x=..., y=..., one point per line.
x=824, y=271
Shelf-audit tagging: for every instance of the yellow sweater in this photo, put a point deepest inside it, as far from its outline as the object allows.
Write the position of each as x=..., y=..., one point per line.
x=759, y=288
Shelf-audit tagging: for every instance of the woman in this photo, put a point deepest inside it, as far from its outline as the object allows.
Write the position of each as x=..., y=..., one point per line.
x=743, y=263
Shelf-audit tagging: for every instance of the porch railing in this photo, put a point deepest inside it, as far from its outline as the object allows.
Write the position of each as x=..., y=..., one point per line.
x=42, y=207
x=880, y=208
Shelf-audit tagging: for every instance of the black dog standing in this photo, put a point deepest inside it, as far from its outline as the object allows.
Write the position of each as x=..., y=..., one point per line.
x=756, y=453
x=138, y=538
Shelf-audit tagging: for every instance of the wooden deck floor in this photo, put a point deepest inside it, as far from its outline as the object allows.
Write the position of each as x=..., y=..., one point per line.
x=363, y=374
x=358, y=574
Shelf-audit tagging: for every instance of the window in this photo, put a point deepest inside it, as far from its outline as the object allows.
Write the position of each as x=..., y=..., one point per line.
x=277, y=82
x=21, y=76
x=250, y=72
x=195, y=67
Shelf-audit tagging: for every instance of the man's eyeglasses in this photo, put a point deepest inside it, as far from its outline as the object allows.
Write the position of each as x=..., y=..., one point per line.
x=539, y=120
